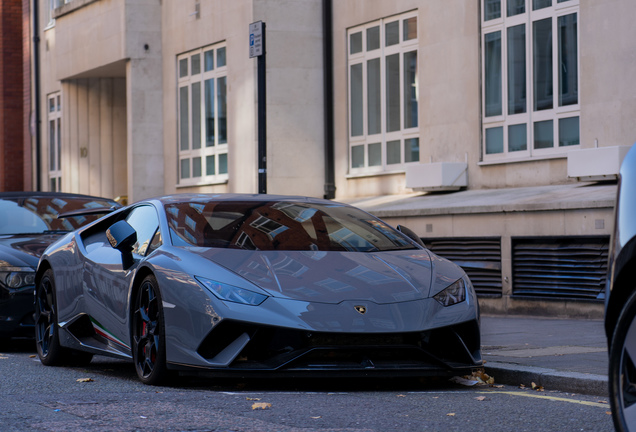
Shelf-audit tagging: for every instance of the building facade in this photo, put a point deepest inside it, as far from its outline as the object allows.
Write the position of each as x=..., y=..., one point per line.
x=484, y=125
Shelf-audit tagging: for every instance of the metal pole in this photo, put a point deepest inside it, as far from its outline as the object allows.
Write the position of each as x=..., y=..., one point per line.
x=262, y=120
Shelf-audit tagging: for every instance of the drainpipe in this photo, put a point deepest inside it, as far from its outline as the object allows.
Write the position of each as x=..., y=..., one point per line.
x=327, y=52
x=36, y=80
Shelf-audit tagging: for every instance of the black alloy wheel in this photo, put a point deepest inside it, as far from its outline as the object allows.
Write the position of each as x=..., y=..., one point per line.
x=47, y=339
x=148, y=335
x=622, y=369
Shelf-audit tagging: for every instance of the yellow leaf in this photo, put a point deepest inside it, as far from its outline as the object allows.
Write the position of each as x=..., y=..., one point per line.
x=85, y=380
x=481, y=398
x=497, y=386
x=401, y=395
x=608, y=412
x=32, y=356
x=261, y=405
x=317, y=417
x=602, y=401
x=450, y=415
x=252, y=399
x=3, y=358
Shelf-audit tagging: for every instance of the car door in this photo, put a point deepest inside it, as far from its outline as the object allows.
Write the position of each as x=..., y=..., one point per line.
x=107, y=282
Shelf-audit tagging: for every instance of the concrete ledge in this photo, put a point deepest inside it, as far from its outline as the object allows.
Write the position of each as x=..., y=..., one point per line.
x=549, y=379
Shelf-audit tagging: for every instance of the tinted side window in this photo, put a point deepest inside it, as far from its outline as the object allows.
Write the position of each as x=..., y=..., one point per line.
x=144, y=220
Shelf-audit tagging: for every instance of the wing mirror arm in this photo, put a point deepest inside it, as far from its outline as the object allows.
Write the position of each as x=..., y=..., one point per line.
x=123, y=237
x=411, y=234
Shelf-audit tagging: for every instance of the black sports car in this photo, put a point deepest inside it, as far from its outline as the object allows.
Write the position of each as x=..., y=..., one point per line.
x=29, y=222
x=620, y=301
x=252, y=284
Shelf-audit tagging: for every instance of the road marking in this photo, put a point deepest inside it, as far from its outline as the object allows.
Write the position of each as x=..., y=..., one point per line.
x=537, y=396
x=547, y=351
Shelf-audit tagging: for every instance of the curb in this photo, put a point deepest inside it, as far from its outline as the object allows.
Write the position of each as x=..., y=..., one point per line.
x=550, y=379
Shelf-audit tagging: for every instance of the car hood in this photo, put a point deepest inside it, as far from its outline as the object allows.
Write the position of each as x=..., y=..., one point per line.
x=334, y=277
x=24, y=250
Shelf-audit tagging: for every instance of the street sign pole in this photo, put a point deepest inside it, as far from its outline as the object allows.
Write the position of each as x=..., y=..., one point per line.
x=257, y=49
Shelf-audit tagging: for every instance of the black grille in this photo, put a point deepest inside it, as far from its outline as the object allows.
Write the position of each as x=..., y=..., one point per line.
x=479, y=257
x=565, y=267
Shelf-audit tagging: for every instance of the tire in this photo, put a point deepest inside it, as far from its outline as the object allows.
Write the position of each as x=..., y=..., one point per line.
x=148, y=334
x=47, y=337
x=622, y=369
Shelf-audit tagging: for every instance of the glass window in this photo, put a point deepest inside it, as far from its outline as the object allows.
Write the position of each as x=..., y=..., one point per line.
x=517, y=137
x=493, y=77
x=544, y=134
x=492, y=9
x=494, y=140
x=515, y=7
x=383, y=95
x=55, y=142
x=145, y=222
x=542, y=64
x=183, y=68
x=569, y=131
x=202, y=99
x=355, y=43
x=517, y=69
x=540, y=4
x=568, y=60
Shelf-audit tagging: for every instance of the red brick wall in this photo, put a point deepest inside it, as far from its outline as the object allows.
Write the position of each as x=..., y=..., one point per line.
x=11, y=97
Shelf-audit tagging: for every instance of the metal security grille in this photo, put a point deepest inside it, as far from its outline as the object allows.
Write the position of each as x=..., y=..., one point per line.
x=479, y=257
x=565, y=267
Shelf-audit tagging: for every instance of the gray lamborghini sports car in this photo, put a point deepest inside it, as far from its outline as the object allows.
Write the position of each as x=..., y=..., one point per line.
x=254, y=284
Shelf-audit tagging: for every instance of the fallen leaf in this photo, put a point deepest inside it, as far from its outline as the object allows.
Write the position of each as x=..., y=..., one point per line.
x=401, y=395
x=522, y=386
x=464, y=381
x=435, y=397
x=32, y=356
x=317, y=417
x=481, y=398
x=85, y=380
x=261, y=405
x=450, y=415
x=537, y=387
x=252, y=399
x=497, y=385
x=3, y=358
x=608, y=412
x=602, y=401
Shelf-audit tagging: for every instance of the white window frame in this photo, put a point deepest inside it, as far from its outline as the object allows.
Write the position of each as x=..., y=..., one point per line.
x=530, y=117
x=54, y=140
x=401, y=135
x=219, y=148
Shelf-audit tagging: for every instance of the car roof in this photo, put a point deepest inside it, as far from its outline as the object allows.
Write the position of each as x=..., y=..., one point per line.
x=191, y=197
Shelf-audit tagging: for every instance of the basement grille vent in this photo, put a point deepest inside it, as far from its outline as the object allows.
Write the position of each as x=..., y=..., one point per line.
x=564, y=267
x=479, y=257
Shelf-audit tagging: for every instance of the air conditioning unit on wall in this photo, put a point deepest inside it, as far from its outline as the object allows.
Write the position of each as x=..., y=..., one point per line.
x=440, y=176
x=596, y=164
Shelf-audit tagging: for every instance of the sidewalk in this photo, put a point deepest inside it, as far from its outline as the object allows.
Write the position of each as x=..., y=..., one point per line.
x=559, y=354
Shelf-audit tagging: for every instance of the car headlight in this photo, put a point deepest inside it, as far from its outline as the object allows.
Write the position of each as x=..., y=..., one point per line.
x=17, y=277
x=231, y=293
x=456, y=293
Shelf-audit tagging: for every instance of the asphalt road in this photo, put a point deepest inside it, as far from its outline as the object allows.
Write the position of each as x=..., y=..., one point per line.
x=38, y=398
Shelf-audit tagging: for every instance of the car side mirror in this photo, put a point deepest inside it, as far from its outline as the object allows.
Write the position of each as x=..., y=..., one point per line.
x=122, y=237
x=411, y=234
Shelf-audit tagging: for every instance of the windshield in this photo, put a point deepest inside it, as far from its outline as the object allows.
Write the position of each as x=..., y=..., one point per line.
x=38, y=215
x=280, y=225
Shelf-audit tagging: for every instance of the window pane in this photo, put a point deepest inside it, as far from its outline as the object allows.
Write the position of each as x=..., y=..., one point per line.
x=543, y=134
x=393, y=93
x=59, y=144
x=221, y=106
x=52, y=105
x=356, y=99
x=494, y=140
x=208, y=59
x=53, y=184
x=196, y=167
x=209, y=165
x=209, y=112
x=357, y=156
x=373, y=97
x=542, y=64
x=492, y=9
x=412, y=150
x=392, y=33
x=185, y=168
x=540, y=4
x=183, y=118
x=568, y=61
x=562, y=1
x=52, y=145
x=183, y=67
x=59, y=103
x=410, y=89
x=492, y=54
x=220, y=57
x=373, y=38
x=517, y=137
x=223, y=163
x=393, y=152
x=517, y=69
x=516, y=7
x=409, y=30
x=375, y=154
x=195, y=64
x=196, y=115
x=355, y=43
x=569, y=132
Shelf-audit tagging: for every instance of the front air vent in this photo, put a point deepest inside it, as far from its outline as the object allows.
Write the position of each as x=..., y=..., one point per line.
x=563, y=267
x=480, y=258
